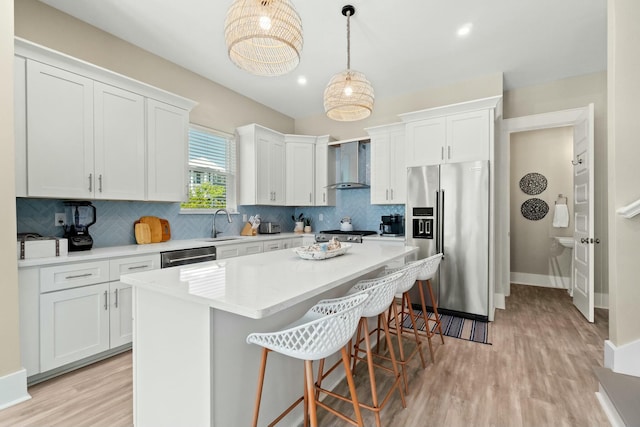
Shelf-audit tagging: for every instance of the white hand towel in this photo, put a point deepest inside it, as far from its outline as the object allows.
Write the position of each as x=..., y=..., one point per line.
x=561, y=216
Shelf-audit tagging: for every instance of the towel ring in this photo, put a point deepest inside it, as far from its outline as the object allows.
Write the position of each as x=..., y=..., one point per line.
x=578, y=163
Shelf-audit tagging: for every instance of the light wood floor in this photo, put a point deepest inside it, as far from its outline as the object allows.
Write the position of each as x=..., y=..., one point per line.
x=538, y=372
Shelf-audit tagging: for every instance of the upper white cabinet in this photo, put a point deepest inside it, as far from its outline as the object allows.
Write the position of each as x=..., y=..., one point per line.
x=167, y=166
x=325, y=167
x=60, y=133
x=455, y=133
x=388, y=168
x=262, y=166
x=300, y=176
x=87, y=133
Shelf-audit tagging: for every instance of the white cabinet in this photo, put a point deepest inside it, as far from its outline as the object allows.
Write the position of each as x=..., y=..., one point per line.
x=20, y=123
x=325, y=168
x=84, y=309
x=167, y=146
x=262, y=166
x=452, y=134
x=280, y=244
x=60, y=133
x=238, y=249
x=388, y=169
x=119, y=143
x=300, y=173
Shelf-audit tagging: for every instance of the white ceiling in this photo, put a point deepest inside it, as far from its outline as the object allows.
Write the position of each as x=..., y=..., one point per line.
x=400, y=45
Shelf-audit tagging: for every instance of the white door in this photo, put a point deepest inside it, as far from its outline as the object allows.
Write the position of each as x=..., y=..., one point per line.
x=300, y=173
x=583, y=234
x=74, y=324
x=120, y=314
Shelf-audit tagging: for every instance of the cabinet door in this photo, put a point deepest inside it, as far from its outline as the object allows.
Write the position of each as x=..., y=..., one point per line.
x=20, y=123
x=380, y=168
x=398, y=168
x=252, y=248
x=425, y=141
x=300, y=174
x=468, y=136
x=120, y=314
x=228, y=251
x=277, y=172
x=325, y=162
x=264, y=191
x=119, y=143
x=273, y=245
x=167, y=128
x=59, y=132
x=74, y=324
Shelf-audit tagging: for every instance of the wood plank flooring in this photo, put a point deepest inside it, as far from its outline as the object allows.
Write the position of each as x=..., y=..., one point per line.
x=538, y=372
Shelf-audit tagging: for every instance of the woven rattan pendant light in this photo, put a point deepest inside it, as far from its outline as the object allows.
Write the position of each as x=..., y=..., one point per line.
x=349, y=95
x=264, y=37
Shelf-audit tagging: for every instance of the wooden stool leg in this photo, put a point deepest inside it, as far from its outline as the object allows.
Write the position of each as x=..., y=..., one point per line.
x=426, y=320
x=306, y=397
x=414, y=323
x=400, y=349
x=352, y=387
x=372, y=376
x=263, y=365
x=356, y=346
x=308, y=365
x=435, y=310
x=393, y=359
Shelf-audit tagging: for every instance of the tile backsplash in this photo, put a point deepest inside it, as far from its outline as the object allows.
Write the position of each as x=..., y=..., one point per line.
x=114, y=225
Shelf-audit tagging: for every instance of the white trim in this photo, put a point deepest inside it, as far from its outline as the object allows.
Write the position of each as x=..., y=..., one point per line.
x=499, y=301
x=494, y=102
x=544, y=280
x=542, y=121
x=631, y=210
x=624, y=359
x=601, y=300
x=13, y=389
x=609, y=408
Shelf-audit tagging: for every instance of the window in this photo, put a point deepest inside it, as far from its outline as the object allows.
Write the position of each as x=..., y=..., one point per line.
x=212, y=168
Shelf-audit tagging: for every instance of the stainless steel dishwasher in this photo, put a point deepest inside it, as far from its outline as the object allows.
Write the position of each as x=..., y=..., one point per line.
x=187, y=256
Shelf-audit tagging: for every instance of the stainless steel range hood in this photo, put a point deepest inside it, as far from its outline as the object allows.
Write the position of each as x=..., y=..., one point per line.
x=351, y=170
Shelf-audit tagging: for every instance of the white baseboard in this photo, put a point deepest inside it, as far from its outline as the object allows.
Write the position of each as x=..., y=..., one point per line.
x=544, y=280
x=609, y=409
x=601, y=300
x=13, y=389
x=624, y=359
x=499, y=301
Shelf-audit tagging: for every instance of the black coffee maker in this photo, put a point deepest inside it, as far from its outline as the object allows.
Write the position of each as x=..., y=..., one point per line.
x=80, y=216
x=392, y=225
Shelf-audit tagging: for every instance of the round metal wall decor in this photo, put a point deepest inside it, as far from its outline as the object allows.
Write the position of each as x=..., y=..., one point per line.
x=533, y=183
x=534, y=209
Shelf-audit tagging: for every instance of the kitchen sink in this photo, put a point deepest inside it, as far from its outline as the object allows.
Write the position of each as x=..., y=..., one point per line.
x=219, y=239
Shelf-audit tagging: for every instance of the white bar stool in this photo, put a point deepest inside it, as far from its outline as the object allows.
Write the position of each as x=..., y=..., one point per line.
x=428, y=271
x=326, y=328
x=381, y=292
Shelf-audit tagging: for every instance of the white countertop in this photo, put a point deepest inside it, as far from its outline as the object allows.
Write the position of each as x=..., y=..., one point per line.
x=133, y=250
x=259, y=285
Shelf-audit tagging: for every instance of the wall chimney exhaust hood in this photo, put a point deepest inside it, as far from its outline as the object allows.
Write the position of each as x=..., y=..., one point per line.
x=352, y=164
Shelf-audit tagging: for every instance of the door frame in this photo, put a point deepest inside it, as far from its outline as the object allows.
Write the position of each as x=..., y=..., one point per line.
x=549, y=120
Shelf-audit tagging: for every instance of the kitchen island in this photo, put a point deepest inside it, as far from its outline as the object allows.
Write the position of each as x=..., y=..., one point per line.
x=191, y=363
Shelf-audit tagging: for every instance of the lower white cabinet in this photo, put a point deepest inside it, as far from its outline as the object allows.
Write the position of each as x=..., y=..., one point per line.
x=120, y=314
x=74, y=324
x=238, y=249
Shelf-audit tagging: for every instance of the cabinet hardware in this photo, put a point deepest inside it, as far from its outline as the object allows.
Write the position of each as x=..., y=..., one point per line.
x=106, y=303
x=386, y=197
x=442, y=153
x=137, y=267
x=324, y=197
x=392, y=194
x=100, y=183
x=310, y=198
x=116, y=292
x=449, y=152
x=90, y=182
x=78, y=276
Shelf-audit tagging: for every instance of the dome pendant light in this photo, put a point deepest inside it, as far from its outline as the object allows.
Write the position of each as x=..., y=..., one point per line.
x=264, y=37
x=349, y=95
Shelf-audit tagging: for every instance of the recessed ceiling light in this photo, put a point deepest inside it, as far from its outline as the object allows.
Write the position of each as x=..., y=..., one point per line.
x=464, y=30
x=302, y=80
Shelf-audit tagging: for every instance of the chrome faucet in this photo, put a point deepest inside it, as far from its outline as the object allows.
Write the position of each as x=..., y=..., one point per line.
x=214, y=232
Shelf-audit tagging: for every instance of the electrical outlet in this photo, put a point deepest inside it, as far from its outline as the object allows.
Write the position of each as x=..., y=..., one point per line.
x=60, y=219
x=244, y=217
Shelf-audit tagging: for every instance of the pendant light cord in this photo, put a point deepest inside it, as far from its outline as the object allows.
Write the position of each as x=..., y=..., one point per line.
x=348, y=40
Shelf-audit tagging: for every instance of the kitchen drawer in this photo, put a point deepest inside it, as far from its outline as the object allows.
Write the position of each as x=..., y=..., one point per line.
x=135, y=264
x=73, y=275
x=274, y=245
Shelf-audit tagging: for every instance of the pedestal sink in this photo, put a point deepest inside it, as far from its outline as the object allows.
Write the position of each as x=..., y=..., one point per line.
x=568, y=243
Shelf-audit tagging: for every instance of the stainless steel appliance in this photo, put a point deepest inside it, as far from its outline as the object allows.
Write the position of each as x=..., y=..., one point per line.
x=187, y=256
x=392, y=225
x=354, y=236
x=268, y=228
x=448, y=211
x=80, y=216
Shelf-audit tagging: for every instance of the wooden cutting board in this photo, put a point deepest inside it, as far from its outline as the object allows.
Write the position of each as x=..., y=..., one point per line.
x=166, y=229
x=142, y=232
x=155, y=226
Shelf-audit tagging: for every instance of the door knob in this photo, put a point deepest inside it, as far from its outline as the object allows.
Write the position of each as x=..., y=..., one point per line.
x=584, y=240
x=595, y=240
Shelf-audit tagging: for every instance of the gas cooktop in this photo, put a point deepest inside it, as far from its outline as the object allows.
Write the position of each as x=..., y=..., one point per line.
x=354, y=236
x=356, y=232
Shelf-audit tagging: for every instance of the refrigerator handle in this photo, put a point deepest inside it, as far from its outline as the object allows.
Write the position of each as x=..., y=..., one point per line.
x=437, y=230
x=442, y=225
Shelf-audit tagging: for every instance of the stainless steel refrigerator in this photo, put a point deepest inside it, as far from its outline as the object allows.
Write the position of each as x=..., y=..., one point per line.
x=448, y=211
